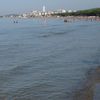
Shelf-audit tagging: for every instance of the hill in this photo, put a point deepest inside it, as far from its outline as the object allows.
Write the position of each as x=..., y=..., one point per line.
x=88, y=12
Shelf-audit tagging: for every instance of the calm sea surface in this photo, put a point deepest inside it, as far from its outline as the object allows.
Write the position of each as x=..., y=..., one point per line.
x=46, y=59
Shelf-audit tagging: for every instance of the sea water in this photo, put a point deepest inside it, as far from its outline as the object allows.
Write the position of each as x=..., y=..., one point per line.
x=46, y=59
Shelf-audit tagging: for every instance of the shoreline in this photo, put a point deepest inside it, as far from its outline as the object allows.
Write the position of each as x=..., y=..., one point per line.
x=67, y=19
x=60, y=17
x=87, y=92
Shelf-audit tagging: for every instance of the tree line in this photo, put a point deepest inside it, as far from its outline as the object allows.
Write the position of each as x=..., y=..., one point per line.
x=88, y=12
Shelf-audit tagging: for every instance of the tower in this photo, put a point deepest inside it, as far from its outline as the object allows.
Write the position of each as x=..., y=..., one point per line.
x=44, y=9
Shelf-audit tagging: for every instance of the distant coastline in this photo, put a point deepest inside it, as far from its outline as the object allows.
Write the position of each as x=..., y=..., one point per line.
x=89, y=13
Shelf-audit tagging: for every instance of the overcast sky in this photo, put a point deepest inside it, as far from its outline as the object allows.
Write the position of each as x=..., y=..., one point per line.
x=18, y=6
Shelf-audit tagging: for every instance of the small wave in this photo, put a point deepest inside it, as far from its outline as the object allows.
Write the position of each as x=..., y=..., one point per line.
x=46, y=35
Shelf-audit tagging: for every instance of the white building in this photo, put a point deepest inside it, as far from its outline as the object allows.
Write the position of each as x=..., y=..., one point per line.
x=69, y=11
x=24, y=15
x=63, y=11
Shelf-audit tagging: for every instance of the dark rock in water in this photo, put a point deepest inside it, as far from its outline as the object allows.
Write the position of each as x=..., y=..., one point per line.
x=15, y=21
x=65, y=20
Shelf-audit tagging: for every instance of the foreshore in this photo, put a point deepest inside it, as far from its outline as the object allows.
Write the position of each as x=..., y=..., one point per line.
x=68, y=18
x=86, y=18
x=92, y=84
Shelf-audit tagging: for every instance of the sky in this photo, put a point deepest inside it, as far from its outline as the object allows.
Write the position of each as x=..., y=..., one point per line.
x=21, y=6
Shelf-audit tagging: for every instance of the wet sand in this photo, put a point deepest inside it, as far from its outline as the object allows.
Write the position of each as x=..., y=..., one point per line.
x=90, y=88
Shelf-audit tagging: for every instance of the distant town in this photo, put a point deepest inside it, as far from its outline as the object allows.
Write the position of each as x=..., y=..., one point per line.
x=36, y=13
x=90, y=13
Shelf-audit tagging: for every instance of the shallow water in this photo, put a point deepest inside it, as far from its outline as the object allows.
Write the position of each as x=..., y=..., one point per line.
x=46, y=59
